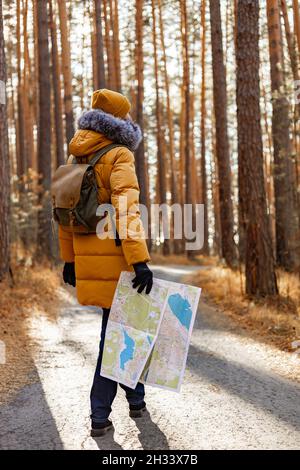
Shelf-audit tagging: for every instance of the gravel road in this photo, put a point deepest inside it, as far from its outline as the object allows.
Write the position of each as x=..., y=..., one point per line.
x=236, y=392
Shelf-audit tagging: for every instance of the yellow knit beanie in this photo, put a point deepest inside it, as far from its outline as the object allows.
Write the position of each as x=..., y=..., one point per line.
x=111, y=102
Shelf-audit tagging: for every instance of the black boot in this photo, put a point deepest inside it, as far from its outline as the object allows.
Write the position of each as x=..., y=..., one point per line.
x=136, y=411
x=99, y=429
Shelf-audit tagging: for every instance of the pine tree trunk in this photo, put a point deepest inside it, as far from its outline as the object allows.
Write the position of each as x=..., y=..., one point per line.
x=140, y=157
x=235, y=2
x=94, y=47
x=160, y=137
x=182, y=145
x=284, y=184
x=4, y=162
x=188, y=157
x=290, y=40
x=12, y=117
x=297, y=22
x=217, y=243
x=114, y=46
x=174, y=195
x=171, y=148
x=292, y=48
x=268, y=169
x=21, y=156
x=116, y=41
x=259, y=261
x=59, y=136
x=98, y=57
x=27, y=81
x=222, y=144
x=35, y=92
x=187, y=99
x=111, y=75
x=66, y=68
x=205, y=249
x=44, y=133
x=179, y=247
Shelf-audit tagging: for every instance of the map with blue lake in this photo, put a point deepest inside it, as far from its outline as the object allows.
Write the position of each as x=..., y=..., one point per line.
x=181, y=308
x=166, y=365
x=127, y=353
x=147, y=336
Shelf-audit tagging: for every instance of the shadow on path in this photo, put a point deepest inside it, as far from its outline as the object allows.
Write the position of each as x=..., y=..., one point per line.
x=272, y=394
x=27, y=422
x=107, y=442
x=151, y=437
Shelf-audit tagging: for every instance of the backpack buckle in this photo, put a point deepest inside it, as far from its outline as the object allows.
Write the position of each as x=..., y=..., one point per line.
x=72, y=218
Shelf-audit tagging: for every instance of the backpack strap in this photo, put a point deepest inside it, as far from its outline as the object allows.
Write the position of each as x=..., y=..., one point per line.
x=99, y=154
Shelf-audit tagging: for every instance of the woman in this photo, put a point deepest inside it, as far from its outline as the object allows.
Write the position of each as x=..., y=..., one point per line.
x=94, y=264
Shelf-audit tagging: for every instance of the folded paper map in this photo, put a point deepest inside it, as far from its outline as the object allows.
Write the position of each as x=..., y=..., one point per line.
x=147, y=336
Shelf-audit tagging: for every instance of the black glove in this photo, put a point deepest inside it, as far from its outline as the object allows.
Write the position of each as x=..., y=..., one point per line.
x=69, y=274
x=143, y=278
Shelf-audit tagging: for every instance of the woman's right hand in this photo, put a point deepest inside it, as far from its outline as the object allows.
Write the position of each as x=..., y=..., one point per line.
x=69, y=274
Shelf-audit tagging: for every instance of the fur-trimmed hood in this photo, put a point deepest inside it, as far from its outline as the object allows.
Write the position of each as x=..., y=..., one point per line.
x=121, y=131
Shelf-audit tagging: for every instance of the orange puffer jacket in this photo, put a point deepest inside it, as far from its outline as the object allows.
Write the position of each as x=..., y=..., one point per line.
x=98, y=262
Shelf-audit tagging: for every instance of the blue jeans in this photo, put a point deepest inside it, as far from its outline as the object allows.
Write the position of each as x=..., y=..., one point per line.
x=104, y=390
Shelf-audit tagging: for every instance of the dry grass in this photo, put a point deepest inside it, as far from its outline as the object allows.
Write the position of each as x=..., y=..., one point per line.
x=157, y=258
x=33, y=288
x=277, y=320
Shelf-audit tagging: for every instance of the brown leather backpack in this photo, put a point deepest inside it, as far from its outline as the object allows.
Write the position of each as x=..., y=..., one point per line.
x=75, y=194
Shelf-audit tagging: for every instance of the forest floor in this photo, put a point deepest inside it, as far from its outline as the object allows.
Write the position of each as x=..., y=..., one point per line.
x=238, y=392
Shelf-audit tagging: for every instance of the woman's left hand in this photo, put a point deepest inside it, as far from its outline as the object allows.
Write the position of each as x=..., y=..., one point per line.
x=143, y=278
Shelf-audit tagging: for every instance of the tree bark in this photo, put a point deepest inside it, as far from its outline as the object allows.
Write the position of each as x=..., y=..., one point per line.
x=205, y=249
x=140, y=158
x=35, y=103
x=188, y=156
x=222, y=144
x=259, y=261
x=290, y=40
x=217, y=243
x=21, y=155
x=173, y=166
x=160, y=137
x=99, y=58
x=27, y=87
x=297, y=22
x=59, y=134
x=116, y=41
x=284, y=184
x=44, y=133
x=111, y=72
x=4, y=162
x=66, y=69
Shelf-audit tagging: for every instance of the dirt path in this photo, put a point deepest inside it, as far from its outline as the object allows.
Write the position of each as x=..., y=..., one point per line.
x=236, y=394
